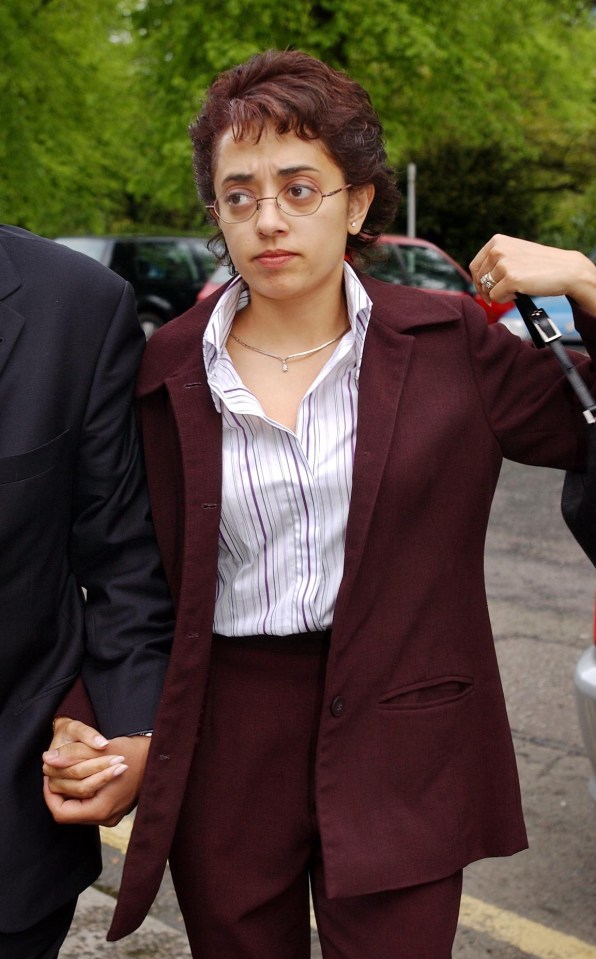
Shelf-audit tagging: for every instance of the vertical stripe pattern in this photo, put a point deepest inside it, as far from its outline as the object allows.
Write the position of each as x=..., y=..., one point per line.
x=286, y=494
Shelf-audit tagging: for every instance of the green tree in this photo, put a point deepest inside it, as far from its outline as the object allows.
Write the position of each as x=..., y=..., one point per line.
x=63, y=143
x=495, y=102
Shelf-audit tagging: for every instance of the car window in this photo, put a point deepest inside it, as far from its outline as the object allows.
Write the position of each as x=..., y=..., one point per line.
x=165, y=261
x=427, y=268
x=389, y=266
x=205, y=260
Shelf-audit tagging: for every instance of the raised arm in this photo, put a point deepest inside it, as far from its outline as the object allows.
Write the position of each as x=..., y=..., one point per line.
x=507, y=265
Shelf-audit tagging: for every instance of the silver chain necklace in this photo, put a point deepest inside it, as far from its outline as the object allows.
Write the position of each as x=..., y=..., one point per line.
x=284, y=360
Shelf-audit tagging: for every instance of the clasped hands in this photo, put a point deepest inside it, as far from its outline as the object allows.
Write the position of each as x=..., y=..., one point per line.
x=89, y=779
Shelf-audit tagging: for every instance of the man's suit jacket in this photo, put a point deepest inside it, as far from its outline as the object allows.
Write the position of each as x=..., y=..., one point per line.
x=73, y=515
x=415, y=772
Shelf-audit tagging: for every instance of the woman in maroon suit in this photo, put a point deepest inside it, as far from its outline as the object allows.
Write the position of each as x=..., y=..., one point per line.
x=322, y=451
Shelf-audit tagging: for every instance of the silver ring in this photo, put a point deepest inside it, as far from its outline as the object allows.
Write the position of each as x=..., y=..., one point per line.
x=488, y=281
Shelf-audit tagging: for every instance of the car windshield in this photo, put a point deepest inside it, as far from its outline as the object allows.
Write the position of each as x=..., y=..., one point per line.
x=419, y=266
x=165, y=260
x=427, y=268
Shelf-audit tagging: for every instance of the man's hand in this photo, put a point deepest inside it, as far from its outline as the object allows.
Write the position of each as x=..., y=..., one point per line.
x=90, y=780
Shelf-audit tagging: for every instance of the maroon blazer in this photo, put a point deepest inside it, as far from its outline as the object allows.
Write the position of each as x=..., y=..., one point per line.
x=416, y=774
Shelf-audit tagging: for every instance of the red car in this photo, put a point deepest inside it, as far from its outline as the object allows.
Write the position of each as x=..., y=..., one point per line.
x=412, y=262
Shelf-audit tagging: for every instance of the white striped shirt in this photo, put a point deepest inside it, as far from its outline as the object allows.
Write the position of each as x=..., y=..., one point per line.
x=285, y=493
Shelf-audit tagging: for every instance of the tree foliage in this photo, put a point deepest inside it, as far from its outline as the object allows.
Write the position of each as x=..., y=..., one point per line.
x=62, y=145
x=493, y=101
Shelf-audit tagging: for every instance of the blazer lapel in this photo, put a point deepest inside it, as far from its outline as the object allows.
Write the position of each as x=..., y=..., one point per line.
x=385, y=363
x=390, y=341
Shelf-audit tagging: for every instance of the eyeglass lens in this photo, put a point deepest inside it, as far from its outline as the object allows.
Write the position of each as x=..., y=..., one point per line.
x=295, y=199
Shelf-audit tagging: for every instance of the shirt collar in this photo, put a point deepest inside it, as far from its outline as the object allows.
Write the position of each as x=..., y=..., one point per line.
x=237, y=296
x=359, y=310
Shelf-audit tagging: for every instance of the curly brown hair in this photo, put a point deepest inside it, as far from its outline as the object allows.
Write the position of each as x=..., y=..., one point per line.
x=298, y=93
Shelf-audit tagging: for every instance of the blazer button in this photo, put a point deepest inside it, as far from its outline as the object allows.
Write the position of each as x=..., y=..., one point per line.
x=337, y=706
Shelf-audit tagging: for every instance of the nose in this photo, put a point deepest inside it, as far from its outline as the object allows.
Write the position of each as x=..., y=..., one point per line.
x=269, y=218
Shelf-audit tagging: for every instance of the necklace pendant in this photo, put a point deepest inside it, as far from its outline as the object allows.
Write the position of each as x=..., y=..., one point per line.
x=284, y=366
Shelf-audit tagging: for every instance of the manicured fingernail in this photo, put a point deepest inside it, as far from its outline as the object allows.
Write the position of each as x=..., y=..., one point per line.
x=119, y=770
x=116, y=760
x=51, y=754
x=100, y=741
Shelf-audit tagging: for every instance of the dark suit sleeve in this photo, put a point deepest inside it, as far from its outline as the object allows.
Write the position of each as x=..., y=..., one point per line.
x=129, y=618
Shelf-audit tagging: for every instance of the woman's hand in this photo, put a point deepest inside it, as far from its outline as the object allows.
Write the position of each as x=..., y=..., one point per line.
x=510, y=266
x=88, y=779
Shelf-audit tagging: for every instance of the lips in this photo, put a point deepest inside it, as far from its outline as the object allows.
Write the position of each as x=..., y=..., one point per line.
x=275, y=258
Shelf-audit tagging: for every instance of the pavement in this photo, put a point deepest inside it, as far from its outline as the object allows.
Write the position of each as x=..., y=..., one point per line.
x=87, y=937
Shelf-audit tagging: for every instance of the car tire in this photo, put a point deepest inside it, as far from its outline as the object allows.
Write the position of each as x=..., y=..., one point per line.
x=150, y=322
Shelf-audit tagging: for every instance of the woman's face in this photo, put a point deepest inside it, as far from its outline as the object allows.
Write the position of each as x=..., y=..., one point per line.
x=280, y=256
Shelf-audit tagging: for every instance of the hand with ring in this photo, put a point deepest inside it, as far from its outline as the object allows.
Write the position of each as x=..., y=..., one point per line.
x=488, y=281
x=507, y=265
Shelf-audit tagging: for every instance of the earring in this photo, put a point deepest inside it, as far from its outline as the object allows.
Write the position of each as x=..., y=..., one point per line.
x=353, y=223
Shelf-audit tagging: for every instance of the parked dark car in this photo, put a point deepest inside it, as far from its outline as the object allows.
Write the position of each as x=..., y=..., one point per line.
x=166, y=272
x=411, y=262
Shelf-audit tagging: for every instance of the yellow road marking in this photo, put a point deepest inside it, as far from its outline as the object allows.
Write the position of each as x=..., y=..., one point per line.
x=526, y=936
x=523, y=934
x=117, y=836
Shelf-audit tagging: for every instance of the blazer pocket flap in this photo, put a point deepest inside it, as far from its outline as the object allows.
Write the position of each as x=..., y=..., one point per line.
x=431, y=692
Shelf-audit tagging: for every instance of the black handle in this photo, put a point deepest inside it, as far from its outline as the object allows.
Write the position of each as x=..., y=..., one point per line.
x=545, y=333
x=540, y=326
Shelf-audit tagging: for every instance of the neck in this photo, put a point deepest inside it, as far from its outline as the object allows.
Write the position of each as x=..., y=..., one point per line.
x=285, y=326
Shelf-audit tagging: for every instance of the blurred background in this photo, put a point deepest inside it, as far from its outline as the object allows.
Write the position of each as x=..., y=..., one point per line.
x=494, y=103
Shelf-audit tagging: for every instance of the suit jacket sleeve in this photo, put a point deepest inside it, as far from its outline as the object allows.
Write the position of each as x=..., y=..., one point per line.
x=129, y=617
x=526, y=398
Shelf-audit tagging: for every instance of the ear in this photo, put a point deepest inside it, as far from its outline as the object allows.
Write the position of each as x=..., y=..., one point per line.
x=360, y=198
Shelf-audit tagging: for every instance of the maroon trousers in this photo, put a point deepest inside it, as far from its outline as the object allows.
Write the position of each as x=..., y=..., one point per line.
x=247, y=846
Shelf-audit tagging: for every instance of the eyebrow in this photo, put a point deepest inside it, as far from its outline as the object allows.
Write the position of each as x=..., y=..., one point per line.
x=283, y=173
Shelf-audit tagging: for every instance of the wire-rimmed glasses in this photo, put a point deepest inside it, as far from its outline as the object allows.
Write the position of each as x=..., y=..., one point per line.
x=295, y=199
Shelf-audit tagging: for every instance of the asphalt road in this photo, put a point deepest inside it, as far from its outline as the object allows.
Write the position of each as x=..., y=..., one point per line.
x=540, y=903
x=541, y=596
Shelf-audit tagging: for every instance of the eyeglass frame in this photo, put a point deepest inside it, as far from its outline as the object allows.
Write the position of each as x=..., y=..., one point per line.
x=259, y=200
